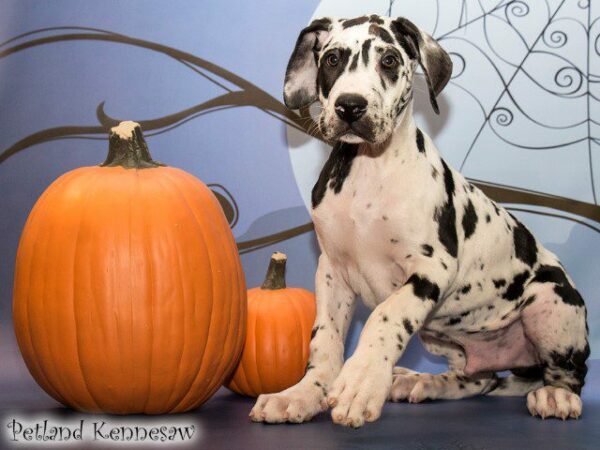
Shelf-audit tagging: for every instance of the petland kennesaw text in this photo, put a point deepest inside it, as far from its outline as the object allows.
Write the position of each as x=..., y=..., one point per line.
x=47, y=432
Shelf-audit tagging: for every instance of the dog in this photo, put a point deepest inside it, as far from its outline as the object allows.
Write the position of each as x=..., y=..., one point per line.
x=423, y=247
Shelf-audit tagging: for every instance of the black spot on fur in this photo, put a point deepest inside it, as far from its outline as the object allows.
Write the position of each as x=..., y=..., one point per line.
x=499, y=283
x=488, y=218
x=335, y=171
x=525, y=245
x=528, y=301
x=454, y=321
x=465, y=289
x=515, y=289
x=573, y=362
x=445, y=216
x=424, y=288
x=469, y=220
x=427, y=250
x=313, y=333
x=381, y=33
x=420, y=141
x=300, y=97
x=408, y=326
x=354, y=22
x=366, y=46
x=400, y=107
x=354, y=63
x=383, y=84
x=406, y=37
x=530, y=373
x=563, y=288
x=385, y=318
x=327, y=76
x=374, y=18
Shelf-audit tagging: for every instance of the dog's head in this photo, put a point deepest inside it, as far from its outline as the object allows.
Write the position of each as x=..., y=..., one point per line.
x=361, y=70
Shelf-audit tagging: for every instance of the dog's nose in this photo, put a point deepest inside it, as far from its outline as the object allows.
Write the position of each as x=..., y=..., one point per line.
x=350, y=107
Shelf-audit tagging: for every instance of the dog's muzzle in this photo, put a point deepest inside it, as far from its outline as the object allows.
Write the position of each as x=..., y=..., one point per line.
x=350, y=109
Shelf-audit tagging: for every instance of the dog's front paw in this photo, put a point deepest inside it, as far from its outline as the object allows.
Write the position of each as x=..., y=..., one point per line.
x=296, y=404
x=359, y=392
x=550, y=401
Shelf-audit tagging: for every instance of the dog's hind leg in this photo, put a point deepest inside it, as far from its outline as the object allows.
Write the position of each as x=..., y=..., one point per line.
x=515, y=386
x=415, y=387
x=555, y=322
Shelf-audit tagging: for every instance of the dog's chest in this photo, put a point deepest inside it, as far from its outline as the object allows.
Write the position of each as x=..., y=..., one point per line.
x=363, y=228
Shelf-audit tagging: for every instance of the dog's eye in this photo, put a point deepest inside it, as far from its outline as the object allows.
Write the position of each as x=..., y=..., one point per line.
x=389, y=61
x=332, y=60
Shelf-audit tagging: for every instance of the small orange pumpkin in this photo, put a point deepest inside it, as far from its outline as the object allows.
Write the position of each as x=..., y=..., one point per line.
x=129, y=295
x=280, y=320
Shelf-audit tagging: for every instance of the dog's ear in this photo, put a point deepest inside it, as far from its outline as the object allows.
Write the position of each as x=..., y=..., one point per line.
x=300, y=87
x=433, y=59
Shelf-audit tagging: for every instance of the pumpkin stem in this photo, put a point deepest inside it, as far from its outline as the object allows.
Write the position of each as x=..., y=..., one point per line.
x=275, y=278
x=127, y=148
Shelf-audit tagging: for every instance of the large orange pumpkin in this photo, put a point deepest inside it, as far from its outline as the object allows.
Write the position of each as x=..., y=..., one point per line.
x=280, y=320
x=129, y=296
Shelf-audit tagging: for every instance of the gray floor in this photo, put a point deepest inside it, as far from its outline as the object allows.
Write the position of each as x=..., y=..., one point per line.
x=472, y=424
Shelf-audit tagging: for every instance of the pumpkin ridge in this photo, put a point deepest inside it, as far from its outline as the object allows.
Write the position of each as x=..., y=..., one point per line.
x=244, y=384
x=173, y=185
x=228, y=292
x=310, y=319
x=236, y=342
x=85, y=204
x=66, y=382
x=260, y=331
x=151, y=290
x=40, y=210
x=182, y=346
x=299, y=319
x=155, y=303
x=185, y=398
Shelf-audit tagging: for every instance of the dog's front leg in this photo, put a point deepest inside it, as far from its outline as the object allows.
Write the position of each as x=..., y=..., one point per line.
x=299, y=403
x=361, y=389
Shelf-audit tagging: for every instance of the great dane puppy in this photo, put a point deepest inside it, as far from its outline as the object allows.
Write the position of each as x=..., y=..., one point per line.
x=427, y=250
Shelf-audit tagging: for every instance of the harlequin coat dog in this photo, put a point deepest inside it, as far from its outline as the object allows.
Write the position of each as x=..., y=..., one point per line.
x=427, y=250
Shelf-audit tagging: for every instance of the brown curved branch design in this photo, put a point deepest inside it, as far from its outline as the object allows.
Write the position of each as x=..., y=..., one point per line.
x=248, y=95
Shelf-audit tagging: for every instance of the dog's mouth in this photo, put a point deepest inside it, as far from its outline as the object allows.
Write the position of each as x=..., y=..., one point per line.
x=354, y=133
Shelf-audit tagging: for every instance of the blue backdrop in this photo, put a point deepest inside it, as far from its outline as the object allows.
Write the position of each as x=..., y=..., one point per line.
x=521, y=115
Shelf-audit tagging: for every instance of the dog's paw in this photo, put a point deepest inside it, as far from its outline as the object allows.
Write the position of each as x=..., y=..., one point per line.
x=359, y=392
x=550, y=401
x=297, y=404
